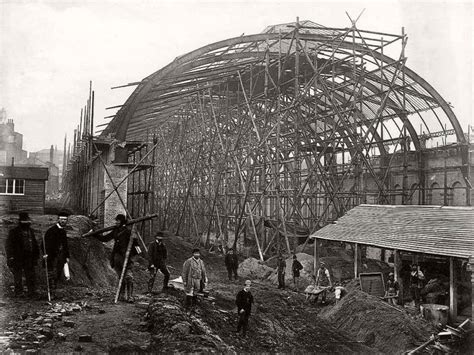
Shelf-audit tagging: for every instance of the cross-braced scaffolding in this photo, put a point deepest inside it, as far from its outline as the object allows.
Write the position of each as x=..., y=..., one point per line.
x=276, y=134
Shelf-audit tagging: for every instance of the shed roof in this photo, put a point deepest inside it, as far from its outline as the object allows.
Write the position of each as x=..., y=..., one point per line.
x=24, y=172
x=439, y=230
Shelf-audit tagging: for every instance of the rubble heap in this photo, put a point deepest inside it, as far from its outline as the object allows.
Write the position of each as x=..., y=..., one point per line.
x=377, y=324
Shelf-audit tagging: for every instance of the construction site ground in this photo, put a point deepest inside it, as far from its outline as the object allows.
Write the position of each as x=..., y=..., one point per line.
x=82, y=317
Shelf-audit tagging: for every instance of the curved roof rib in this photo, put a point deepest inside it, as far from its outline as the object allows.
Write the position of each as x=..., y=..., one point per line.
x=343, y=76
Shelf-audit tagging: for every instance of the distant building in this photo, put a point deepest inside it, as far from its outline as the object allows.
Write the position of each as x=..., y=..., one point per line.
x=11, y=142
x=22, y=188
x=53, y=160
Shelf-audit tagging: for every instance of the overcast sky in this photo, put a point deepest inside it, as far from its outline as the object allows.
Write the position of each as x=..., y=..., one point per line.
x=49, y=50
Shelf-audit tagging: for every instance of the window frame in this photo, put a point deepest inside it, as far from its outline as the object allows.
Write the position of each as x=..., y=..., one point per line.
x=14, y=186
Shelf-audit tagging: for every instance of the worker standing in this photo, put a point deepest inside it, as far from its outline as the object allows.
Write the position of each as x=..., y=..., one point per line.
x=281, y=270
x=323, y=279
x=157, y=255
x=416, y=284
x=296, y=267
x=392, y=290
x=22, y=254
x=231, y=263
x=121, y=236
x=244, y=303
x=56, y=250
x=194, y=277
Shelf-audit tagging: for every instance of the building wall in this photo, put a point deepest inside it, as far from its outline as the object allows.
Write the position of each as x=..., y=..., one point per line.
x=32, y=201
x=441, y=174
x=11, y=144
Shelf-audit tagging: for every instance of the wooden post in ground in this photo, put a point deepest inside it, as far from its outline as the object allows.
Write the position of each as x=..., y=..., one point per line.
x=316, y=257
x=471, y=267
x=356, y=260
x=396, y=271
x=453, y=306
x=133, y=235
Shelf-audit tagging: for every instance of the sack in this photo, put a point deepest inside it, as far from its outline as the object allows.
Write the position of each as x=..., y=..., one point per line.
x=67, y=275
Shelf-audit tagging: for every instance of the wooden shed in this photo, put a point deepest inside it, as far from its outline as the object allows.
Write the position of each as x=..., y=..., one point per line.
x=22, y=188
x=437, y=231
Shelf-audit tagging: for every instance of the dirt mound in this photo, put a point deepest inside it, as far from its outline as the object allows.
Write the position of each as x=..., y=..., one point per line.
x=253, y=269
x=177, y=331
x=339, y=268
x=89, y=258
x=370, y=320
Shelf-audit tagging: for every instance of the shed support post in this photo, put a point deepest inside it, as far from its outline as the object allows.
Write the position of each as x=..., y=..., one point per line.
x=316, y=257
x=356, y=260
x=471, y=267
x=396, y=270
x=453, y=307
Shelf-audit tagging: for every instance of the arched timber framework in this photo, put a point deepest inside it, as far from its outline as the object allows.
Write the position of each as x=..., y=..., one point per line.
x=275, y=134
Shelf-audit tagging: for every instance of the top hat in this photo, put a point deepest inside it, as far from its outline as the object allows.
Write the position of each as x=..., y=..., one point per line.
x=23, y=217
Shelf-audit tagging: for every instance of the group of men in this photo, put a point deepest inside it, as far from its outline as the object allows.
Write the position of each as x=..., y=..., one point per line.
x=22, y=252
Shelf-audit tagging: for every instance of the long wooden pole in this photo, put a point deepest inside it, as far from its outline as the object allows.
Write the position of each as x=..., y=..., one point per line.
x=130, y=222
x=120, y=197
x=125, y=178
x=125, y=262
x=46, y=269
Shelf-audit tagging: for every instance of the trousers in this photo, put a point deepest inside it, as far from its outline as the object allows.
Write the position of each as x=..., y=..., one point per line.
x=29, y=272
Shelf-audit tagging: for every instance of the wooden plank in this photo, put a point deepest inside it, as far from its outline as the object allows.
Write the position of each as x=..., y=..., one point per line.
x=356, y=260
x=453, y=306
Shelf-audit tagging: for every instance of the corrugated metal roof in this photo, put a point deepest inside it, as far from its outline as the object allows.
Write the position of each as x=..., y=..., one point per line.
x=439, y=230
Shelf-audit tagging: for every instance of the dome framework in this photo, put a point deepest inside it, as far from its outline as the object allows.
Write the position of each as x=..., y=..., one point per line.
x=287, y=129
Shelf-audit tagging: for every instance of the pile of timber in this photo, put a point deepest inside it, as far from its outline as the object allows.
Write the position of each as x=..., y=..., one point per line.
x=448, y=341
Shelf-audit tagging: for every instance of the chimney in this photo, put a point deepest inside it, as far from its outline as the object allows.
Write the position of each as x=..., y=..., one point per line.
x=11, y=125
x=51, y=155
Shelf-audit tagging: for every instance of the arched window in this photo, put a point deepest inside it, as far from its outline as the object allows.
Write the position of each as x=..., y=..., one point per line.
x=413, y=195
x=435, y=195
x=458, y=194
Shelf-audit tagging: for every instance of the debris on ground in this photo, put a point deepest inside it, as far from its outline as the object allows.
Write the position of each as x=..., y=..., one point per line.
x=374, y=322
x=254, y=269
x=82, y=316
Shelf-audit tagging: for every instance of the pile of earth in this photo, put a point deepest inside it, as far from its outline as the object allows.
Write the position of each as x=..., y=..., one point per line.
x=280, y=322
x=89, y=262
x=373, y=321
x=340, y=269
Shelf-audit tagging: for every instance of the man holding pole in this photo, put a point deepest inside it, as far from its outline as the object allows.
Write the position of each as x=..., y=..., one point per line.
x=56, y=251
x=121, y=236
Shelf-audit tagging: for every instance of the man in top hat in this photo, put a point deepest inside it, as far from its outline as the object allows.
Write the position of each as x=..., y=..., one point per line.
x=55, y=249
x=194, y=273
x=121, y=236
x=323, y=279
x=157, y=255
x=244, y=303
x=22, y=254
